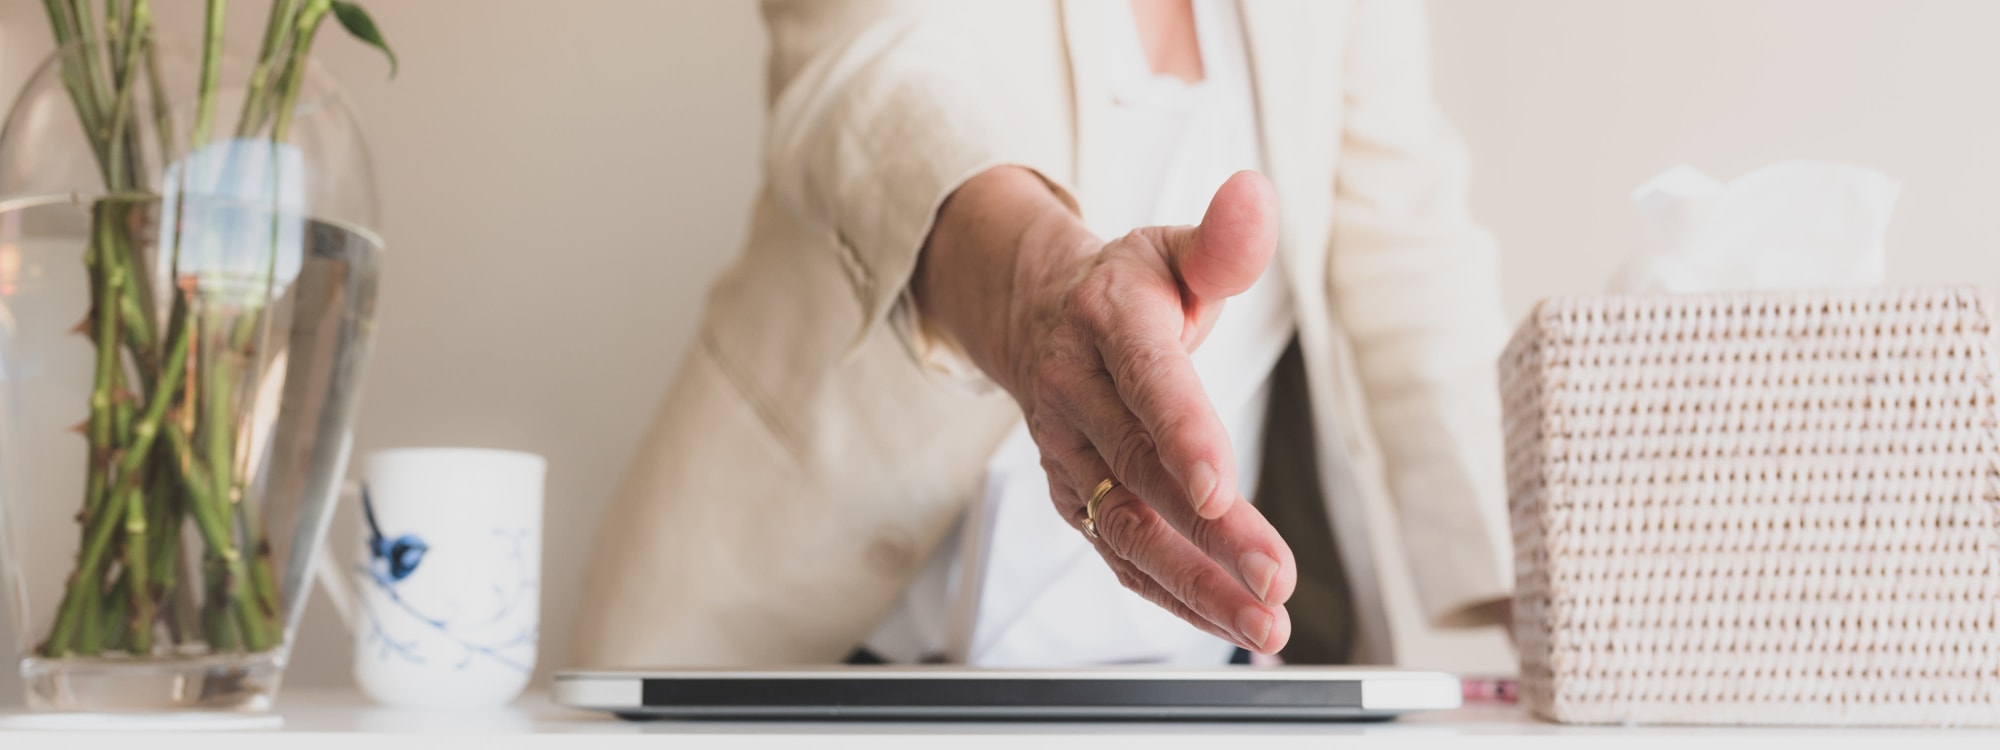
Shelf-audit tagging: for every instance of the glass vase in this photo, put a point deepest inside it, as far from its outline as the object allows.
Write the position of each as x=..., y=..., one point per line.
x=187, y=292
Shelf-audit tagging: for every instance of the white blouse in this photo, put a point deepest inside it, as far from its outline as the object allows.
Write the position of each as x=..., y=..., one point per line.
x=1015, y=585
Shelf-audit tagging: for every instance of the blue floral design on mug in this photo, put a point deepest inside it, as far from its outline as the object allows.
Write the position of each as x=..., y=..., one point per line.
x=396, y=558
x=392, y=560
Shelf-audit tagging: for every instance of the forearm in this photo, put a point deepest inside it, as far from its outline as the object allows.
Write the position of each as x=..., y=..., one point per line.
x=1002, y=232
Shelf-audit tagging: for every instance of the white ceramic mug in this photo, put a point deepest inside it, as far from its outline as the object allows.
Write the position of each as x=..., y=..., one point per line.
x=443, y=595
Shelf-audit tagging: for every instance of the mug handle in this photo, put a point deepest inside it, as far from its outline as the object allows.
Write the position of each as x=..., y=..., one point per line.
x=327, y=569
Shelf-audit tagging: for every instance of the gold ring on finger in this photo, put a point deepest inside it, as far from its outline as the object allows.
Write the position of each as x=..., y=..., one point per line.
x=1090, y=508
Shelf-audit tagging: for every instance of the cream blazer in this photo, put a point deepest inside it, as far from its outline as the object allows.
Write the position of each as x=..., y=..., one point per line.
x=804, y=464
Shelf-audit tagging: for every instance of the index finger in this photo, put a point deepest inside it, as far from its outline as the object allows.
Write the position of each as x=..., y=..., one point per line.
x=1154, y=376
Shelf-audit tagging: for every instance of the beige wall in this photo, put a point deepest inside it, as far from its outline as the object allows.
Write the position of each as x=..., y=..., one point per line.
x=560, y=180
x=1568, y=104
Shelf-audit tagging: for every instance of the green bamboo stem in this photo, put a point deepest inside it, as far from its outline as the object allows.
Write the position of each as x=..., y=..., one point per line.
x=212, y=519
x=135, y=305
x=81, y=594
x=163, y=112
x=203, y=506
x=163, y=130
x=218, y=437
x=114, y=40
x=164, y=521
x=112, y=614
x=58, y=22
x=73, y=69
x=306, y=29
x=211, y=73
x=217, y=401
x=85, y=27
x=218, y=423
x=168, y=510
x=102, y=522
x=81, y=96
x=121, y=412
x=132, y=461
x=105, y=322
x=138, y=336
x=257, y=543
x=123, y=38
x=295, y=73
x=218, y=625
x=92, y=637
x=274, y=59
x=82, y=590
x=256, y=538
x=221, y=422
x=120, y=165
x=117, y=135
x=138, y=573
x=140, y=307
x=59, y=25
x=133, y=312
x=263, y=582
x=255, y=102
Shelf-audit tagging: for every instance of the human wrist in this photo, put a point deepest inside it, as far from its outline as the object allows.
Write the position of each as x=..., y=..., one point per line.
x=1000, y=240
x=1047, y=260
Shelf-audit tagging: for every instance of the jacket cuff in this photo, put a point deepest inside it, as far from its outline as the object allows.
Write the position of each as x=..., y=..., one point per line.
x=937, y=354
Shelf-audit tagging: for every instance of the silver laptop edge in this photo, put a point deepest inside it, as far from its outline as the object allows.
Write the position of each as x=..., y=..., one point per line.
x=1383, y=693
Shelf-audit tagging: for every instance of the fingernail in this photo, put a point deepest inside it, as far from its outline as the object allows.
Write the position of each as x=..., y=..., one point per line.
x=1258, y=570
x=1201, y=484
x=1255, y=625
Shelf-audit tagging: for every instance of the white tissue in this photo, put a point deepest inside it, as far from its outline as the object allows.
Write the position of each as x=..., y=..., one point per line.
x=1791, y=225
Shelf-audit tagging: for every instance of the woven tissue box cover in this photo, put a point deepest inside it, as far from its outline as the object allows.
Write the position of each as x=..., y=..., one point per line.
x=1757, y=508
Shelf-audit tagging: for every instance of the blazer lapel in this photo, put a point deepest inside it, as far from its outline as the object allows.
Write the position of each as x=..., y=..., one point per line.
x=1081, y=32
x=1293, y=45
x=1280, y=45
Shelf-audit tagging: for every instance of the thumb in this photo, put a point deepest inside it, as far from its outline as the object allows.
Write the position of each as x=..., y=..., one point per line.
x=1225, y=255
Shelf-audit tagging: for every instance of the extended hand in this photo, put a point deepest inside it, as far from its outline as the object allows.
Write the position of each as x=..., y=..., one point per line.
x=1092, y=339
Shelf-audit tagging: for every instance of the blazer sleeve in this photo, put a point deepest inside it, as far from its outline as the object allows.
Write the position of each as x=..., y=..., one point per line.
x=880, y=109
x=1415, y=282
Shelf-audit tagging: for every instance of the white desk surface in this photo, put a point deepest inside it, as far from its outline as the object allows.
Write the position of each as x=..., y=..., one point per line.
x=323, y=718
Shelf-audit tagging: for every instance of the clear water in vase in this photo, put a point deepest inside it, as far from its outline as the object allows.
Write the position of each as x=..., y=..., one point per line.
x=298, y=346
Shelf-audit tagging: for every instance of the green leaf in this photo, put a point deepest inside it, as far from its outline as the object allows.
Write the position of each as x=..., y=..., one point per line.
x=356, y=21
